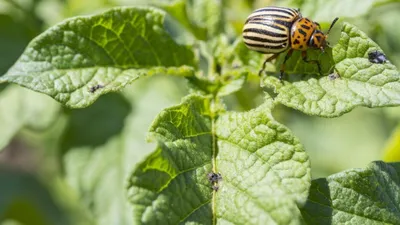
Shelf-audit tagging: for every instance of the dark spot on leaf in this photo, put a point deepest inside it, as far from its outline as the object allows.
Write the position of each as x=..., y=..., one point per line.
x=214, y=177
x=93, y=89
x=377, y=57
x=333, y=76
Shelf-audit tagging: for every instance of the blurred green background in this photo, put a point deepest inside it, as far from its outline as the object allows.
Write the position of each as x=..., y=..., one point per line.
x=64, y=166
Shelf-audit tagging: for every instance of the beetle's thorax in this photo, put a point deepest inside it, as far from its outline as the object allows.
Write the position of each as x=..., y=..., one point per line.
x=301, y=32
x=318, y=40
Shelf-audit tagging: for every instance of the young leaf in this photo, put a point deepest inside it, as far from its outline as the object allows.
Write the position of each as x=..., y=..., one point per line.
x=80, y=59
x=356, y=196
x=265, y=171
x=224, y=77
x=355, y=82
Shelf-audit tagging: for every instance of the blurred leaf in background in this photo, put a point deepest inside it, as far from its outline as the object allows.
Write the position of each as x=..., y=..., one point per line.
x=25, y=199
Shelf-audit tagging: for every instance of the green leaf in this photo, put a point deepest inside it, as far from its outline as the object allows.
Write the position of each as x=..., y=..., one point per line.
x=80, y=59
x=20, y=107
x=356, y=196
x=265, y=171
x=104, y=141
x=223, y=75
x=356, y=82
x=25, y=199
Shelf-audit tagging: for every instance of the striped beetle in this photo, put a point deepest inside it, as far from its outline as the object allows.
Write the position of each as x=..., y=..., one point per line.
x=273, y=30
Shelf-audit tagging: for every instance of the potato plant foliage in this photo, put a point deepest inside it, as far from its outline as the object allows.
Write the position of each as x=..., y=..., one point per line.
x=176, y=74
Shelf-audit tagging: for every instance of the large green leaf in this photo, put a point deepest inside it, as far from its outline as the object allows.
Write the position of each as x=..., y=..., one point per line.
x=356, y=196
x=265, y=171
x=360, y=82
x=84, y=57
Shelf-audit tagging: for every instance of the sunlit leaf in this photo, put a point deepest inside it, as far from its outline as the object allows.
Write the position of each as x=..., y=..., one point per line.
x=355, y=82
x=80, y=59
x=264, y=168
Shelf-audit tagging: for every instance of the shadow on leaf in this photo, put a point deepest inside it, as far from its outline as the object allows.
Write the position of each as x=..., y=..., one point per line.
x=319, y=204
x=95, y=125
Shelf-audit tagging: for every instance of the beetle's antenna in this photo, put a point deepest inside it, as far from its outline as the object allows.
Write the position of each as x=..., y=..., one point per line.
x=333, y=23
x=329, y=30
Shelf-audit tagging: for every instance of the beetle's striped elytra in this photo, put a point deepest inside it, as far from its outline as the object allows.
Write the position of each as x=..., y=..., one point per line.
x=273, y=30
x=267, y=29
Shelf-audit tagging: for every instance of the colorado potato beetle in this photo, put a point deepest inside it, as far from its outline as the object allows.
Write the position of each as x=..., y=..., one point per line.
x=273, y=30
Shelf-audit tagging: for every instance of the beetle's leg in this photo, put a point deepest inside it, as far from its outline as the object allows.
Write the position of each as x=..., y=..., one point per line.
x=265, y=62
x=304, y=56
x=283, y=64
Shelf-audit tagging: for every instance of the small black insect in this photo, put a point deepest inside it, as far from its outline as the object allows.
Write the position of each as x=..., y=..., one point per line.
x=333, y=76
x=96, y=87
x=377, y=57
x=214, y=177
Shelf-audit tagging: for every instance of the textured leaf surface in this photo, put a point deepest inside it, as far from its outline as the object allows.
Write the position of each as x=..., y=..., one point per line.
x=264, y=168
x=356, y=196
x=81, y=58
x=358, y=81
